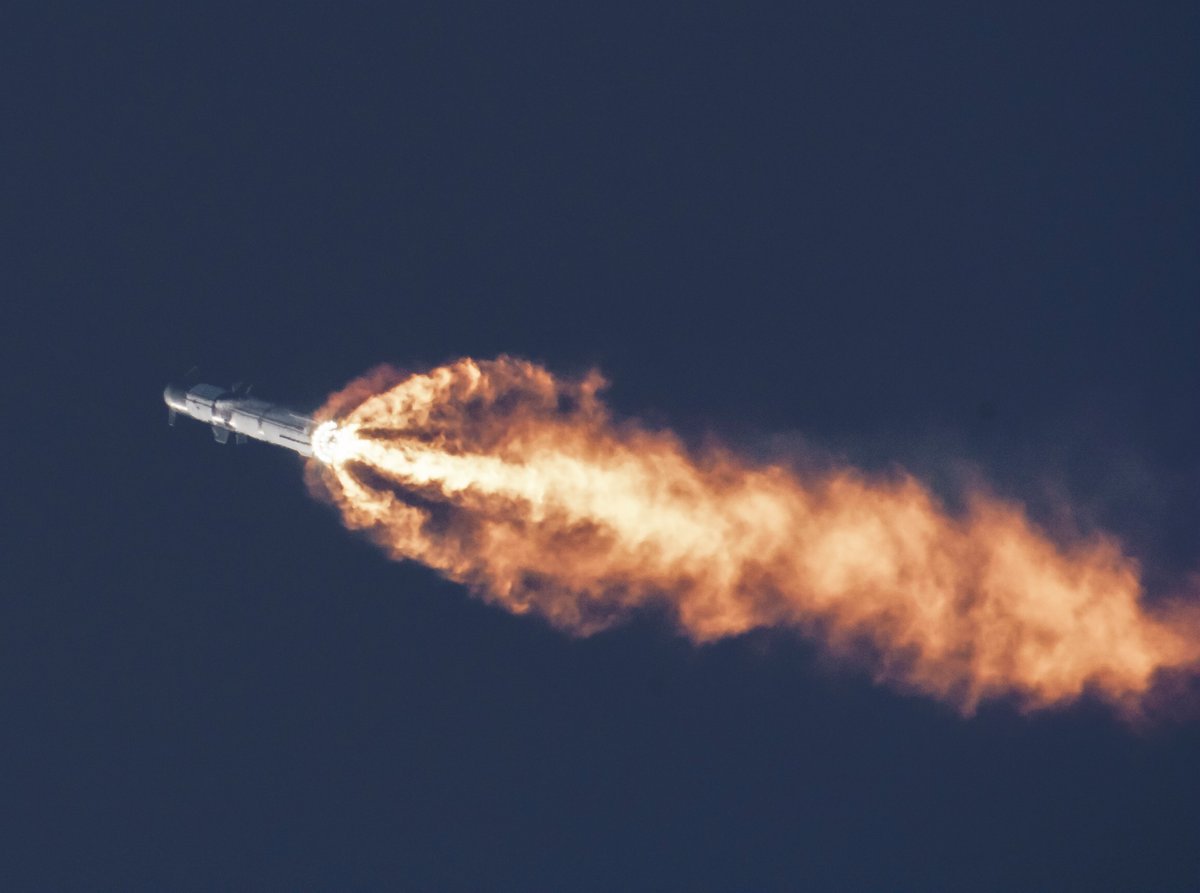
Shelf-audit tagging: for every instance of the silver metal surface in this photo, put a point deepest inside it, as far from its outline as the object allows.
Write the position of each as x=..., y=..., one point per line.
x=233, y=411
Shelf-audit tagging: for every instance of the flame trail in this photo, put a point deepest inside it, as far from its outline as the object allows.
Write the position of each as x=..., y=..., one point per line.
x=520, y=485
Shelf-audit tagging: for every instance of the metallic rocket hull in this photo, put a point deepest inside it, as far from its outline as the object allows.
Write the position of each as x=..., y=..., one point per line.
x=235, y=412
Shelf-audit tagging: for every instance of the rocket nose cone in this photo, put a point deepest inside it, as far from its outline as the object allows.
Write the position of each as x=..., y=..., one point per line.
x=175, y=397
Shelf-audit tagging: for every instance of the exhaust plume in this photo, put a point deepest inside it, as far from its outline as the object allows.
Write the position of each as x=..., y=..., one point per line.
x=522, y=486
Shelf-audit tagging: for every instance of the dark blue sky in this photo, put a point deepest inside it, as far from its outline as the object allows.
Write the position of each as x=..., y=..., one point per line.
x=919, y=232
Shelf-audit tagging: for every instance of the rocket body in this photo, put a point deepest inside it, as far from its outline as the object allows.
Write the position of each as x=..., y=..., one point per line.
x=234, y=411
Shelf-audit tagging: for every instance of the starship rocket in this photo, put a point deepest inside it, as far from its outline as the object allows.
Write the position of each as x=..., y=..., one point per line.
x=234, y=411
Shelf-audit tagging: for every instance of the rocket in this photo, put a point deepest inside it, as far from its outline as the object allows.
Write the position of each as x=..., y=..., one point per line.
x=234, y=411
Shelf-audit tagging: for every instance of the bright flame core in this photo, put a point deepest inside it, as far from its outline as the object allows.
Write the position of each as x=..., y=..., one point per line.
x=521, y=485
x=333, y=444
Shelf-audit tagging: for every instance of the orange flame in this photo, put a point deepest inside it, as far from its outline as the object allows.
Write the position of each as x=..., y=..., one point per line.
x=521, y=485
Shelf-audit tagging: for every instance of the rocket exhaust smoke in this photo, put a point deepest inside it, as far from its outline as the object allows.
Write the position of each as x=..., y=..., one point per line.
x=522, y=486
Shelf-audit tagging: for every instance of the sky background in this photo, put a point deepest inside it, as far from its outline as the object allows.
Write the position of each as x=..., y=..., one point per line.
x=953, y=236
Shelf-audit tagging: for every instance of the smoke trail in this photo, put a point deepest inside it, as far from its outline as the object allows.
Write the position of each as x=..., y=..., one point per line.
x=522, y=486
